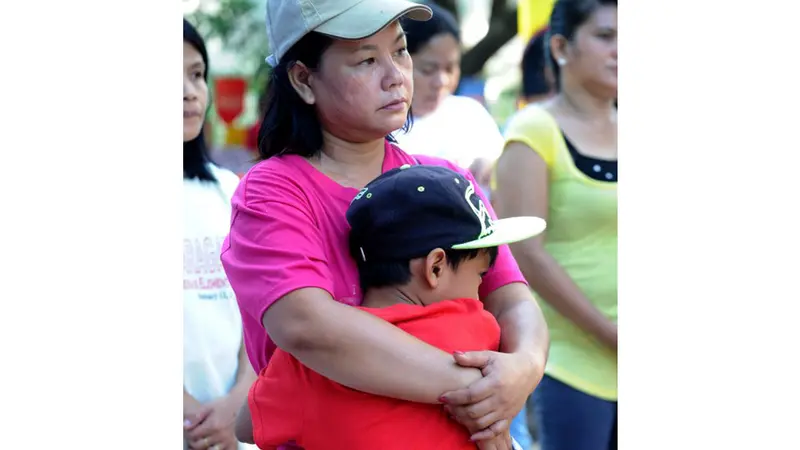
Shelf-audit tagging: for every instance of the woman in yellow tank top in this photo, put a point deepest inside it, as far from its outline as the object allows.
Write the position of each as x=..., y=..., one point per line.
x=560, y=163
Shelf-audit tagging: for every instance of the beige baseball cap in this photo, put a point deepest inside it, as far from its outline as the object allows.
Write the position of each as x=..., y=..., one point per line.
x=289, y=20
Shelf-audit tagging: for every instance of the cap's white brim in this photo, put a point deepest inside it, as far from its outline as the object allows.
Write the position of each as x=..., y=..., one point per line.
x=507, y=231
x=368, y=17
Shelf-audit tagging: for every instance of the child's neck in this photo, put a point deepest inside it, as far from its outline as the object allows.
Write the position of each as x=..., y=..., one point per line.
x=388, y=296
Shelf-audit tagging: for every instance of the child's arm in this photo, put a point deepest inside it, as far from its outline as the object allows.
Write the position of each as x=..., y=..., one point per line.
x=244, y=424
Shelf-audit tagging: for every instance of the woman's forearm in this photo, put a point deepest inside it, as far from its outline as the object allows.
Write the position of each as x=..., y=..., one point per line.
x=189, y=402
x=361, y=351
x=244, y=424
x=522, y=325
x=552, y=283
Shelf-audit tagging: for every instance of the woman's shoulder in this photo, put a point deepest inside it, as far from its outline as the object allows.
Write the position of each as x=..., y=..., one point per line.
x=467, y=109
x=435, y=161
x=279, y=167
x=276, y=175
x=463, y=103
x=227, y=180
x=535, y=127
x=401, y=157
x=532, y=118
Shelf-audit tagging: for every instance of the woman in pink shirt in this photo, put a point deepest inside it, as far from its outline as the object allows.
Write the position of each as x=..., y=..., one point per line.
x=342, y=81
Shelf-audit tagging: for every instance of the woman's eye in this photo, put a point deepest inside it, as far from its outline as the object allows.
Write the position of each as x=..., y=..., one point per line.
x=367, y=61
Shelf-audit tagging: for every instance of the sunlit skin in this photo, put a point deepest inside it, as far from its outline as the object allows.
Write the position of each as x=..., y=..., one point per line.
x=195, y=92
x=590, y=59
x=363, y=88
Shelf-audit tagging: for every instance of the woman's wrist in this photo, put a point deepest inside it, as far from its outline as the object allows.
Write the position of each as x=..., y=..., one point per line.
x=532, y=362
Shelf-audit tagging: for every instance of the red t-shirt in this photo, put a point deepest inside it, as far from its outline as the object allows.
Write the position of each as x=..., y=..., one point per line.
x=290, y=402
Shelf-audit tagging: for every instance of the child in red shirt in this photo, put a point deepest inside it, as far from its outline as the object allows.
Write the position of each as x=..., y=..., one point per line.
x=422, y=240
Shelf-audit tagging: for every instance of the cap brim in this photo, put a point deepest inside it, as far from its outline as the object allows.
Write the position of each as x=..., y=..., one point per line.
x=368, y=17
x=507, y=231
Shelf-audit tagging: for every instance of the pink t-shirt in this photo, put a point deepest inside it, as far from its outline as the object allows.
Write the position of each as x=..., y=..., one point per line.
x=289, y=231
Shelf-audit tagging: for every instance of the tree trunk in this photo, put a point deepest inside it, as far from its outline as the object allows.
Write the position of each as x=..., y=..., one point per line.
x=502, y=28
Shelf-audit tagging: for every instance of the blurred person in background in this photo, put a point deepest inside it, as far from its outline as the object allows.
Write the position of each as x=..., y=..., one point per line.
x=538, y=84
x=216, y=372
x=560, y=163
x=452, y=127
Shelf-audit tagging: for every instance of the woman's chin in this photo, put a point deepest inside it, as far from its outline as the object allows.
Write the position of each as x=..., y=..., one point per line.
x=191, y=130
x=391, y=125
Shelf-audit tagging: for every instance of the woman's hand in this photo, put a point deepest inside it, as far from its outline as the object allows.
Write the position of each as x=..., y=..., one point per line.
x=487, y=406
x=216, y=431
x=500, y=442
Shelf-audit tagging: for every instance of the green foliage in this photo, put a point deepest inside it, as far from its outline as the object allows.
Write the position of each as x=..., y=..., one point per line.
x=239, y=26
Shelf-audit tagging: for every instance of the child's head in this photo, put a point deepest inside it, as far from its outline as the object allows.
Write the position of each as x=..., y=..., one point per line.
x=425, y=230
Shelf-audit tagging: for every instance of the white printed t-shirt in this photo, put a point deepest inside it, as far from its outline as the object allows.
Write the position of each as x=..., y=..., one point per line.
x=212, y=323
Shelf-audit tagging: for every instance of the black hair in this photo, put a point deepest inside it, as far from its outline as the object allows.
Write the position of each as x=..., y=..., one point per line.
x=534, y=67
x=195, y=152
x=376, y=274
x=566, y=18
x=419, y=33
x=290, y=125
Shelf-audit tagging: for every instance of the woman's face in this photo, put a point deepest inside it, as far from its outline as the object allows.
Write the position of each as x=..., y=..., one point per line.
x=362, y=89
x=592, y=56
x=437, y=69
x=195, y=92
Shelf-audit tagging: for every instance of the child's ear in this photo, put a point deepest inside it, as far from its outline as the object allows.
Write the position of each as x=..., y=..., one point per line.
x=434, y=267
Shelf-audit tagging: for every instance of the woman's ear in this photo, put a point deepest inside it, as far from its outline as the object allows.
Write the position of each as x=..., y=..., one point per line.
x=434, y=267
x=299, y=76
x=559, y=49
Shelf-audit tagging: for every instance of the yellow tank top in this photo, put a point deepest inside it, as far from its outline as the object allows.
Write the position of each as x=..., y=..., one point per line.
x=582, y=237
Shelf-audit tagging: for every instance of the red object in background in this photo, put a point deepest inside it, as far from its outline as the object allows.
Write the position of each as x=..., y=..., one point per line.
x=229, y=97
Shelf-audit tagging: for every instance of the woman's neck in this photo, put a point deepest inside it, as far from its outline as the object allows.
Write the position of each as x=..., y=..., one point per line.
x=350, y=164
x=587, y=106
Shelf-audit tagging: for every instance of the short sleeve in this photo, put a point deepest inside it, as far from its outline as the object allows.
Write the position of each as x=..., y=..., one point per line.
x=275, y=245
x=277, y=402
x=536, y=128
x=505, y=269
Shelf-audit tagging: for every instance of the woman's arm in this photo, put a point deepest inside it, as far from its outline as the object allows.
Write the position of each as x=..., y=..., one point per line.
x=244, y=424
x=245, y=376
x=361, y=351
x=276, y=262
x=522, y=190
x=220, y=424
x=487, y=406
x=193, y=411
